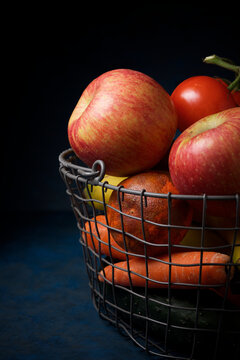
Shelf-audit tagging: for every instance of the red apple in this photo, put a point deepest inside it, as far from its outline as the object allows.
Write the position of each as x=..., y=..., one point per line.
x=205, y=159
x=124, y=118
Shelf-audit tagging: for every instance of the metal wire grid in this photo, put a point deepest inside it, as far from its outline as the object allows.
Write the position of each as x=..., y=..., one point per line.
x=107, y=295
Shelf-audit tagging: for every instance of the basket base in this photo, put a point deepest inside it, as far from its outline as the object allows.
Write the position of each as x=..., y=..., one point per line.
x=151, y=336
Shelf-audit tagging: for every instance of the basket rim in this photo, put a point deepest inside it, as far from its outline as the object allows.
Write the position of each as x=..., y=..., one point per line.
x=95, y=175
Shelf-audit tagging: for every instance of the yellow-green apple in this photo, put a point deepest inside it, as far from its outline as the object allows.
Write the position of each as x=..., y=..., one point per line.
x=126, y=119
x=205, y=159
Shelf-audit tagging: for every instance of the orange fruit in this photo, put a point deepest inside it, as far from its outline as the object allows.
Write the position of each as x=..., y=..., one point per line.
x=153, y=229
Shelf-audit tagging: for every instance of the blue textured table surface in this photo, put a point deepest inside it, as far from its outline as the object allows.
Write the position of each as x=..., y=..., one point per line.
x=46, y=308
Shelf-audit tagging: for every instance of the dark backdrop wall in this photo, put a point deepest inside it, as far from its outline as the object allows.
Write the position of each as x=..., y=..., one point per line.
x=51, y=56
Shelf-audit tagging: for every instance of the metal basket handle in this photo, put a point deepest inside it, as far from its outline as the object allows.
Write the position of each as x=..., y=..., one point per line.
x=95, y=174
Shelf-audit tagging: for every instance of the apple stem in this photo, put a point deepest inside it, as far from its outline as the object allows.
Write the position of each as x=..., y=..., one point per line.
x=226, y=64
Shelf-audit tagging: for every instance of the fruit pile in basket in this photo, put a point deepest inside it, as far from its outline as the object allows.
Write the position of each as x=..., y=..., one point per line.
x=184, y=144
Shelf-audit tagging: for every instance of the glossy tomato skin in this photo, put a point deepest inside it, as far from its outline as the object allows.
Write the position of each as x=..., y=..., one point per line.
x=199, y=96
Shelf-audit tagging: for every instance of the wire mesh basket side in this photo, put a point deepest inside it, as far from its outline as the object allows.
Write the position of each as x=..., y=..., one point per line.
x=152, y=319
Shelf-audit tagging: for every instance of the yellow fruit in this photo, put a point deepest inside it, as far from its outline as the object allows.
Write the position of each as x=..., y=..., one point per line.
x=229, y=235
x=213, y=239
x=194, y=238
x=96, y=192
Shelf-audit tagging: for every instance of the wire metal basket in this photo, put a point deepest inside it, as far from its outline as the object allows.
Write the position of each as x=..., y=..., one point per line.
x=187, y=321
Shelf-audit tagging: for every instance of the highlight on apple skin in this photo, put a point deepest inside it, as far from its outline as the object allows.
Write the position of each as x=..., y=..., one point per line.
x=205, y=158
x=124, y=118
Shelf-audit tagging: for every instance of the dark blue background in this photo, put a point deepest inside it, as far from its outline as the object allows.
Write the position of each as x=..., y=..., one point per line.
x=50, y=55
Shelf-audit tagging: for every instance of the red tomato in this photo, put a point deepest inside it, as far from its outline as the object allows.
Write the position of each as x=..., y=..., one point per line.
x=200, y=96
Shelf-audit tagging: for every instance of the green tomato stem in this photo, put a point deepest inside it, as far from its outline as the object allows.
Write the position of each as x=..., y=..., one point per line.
x=226, y=64
x=235, y=85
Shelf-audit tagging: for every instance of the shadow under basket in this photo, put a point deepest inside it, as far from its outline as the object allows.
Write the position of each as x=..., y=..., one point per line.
x=184, y=321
